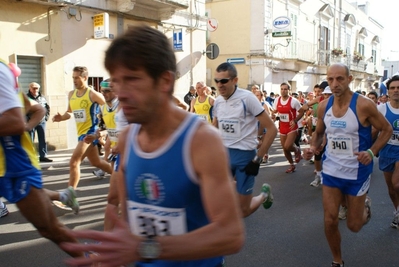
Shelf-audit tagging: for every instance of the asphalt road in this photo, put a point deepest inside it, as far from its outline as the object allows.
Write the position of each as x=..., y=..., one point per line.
x=287, y=235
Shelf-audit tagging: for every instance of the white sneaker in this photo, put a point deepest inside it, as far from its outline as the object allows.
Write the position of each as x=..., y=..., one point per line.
x=342, y=213
x=395, y=221
x=316, y=181
x=99, y=173
x=3, y=211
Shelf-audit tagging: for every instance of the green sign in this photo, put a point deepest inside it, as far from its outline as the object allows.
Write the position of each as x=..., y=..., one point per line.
x=281, y=34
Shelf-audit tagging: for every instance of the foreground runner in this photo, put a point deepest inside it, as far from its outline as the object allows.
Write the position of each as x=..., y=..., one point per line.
x=348, y=159
x=20, y=175
x=236, y=114
x=169, y=174
x=389, y=155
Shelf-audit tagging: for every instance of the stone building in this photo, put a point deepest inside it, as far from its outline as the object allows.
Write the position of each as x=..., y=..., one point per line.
x=47, y=38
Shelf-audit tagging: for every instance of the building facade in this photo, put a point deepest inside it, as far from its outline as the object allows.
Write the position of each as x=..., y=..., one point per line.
x=275, y=41
x=48, y=38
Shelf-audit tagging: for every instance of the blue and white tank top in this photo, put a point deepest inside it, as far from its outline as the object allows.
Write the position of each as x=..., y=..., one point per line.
x=391, y=149
x=163, y=196
x=345, y=136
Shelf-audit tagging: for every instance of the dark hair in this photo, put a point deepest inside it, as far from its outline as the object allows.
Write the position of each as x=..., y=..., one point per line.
x=82, y=70
x=323, y=85
x=373, y=93
x=284, y=83
x=316, y=86
x=141, y=47
x=394, y=78
x=230, y=68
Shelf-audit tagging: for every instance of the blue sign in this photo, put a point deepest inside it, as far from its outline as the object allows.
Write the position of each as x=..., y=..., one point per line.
x=238, y=60
x=178, y=39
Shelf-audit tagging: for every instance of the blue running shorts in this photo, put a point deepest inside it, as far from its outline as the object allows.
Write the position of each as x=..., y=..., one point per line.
x=81, y=137
x=16, y=188
x=347, y=187
x=387, y=164
x=238, y=160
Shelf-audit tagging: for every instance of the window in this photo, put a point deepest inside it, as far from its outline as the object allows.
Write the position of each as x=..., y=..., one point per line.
x=31, y=71
x=361, y=48
x=95, y=82
x=374, y=55
x=324, y=38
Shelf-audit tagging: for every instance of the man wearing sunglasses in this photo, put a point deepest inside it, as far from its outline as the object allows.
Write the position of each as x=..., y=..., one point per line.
x=236, y=113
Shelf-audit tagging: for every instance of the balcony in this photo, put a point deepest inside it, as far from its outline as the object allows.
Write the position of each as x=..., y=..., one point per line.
x=296, y=50
x=156, y=10
x=324, y=57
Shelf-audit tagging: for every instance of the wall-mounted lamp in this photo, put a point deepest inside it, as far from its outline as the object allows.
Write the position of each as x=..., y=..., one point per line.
x=274, y=46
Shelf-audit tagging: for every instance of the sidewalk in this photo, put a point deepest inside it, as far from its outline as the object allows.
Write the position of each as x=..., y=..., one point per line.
x=60, y=158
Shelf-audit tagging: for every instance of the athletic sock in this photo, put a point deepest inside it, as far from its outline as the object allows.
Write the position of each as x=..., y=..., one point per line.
x=318, y=173
x=63, y=197
x=1, y=205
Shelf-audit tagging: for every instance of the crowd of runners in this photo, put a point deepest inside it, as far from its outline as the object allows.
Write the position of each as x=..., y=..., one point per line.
x=165, y=156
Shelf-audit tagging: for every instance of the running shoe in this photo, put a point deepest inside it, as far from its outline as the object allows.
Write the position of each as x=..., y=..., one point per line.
x=395, y=221
x=290, y=169
x=267, y=189
x=71, y=203
x=316, y=181
x=3, y=211
x=342, y=212
x=334, y=264
x=265, y=158
x=99, y=173
x=298, y=155
x=367, y=204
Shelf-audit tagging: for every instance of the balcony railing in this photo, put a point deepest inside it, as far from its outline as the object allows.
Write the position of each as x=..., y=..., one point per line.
x=296, y=50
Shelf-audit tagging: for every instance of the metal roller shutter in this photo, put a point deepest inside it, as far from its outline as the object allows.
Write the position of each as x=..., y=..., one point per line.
x=31, y=68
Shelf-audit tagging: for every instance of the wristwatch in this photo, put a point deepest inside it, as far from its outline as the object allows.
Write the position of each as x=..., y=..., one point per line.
x=257, y=159
x=149, y=249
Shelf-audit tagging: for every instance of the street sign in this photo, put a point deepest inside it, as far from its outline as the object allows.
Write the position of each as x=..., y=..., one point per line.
x=178, y=39
x=212, y=25
x=101, y=25
x=212, y=51
x=238, y=60
x=282, y=27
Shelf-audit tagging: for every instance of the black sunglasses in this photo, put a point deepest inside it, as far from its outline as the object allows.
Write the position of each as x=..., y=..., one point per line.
x=222, y=81
x=105, y=91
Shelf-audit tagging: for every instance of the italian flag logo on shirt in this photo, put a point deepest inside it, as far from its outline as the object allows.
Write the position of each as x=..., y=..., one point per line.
x=150, y=189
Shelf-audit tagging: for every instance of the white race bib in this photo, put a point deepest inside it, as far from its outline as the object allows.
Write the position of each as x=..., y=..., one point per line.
x=113, y=134
x=394, y=139
x=150, y=220
x=230, y=128
x=340, y=145
x=80, y=115
x=203, y=117
x=284, y=117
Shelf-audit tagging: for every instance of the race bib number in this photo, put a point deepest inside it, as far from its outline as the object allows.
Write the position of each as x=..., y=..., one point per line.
x=149, y=220
x=112, y=134
x=394, y=139
x=203, y=117
x=314, y=121
x=230, y=128
x=80, y=115
x=284, y=118
x=340, y=146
